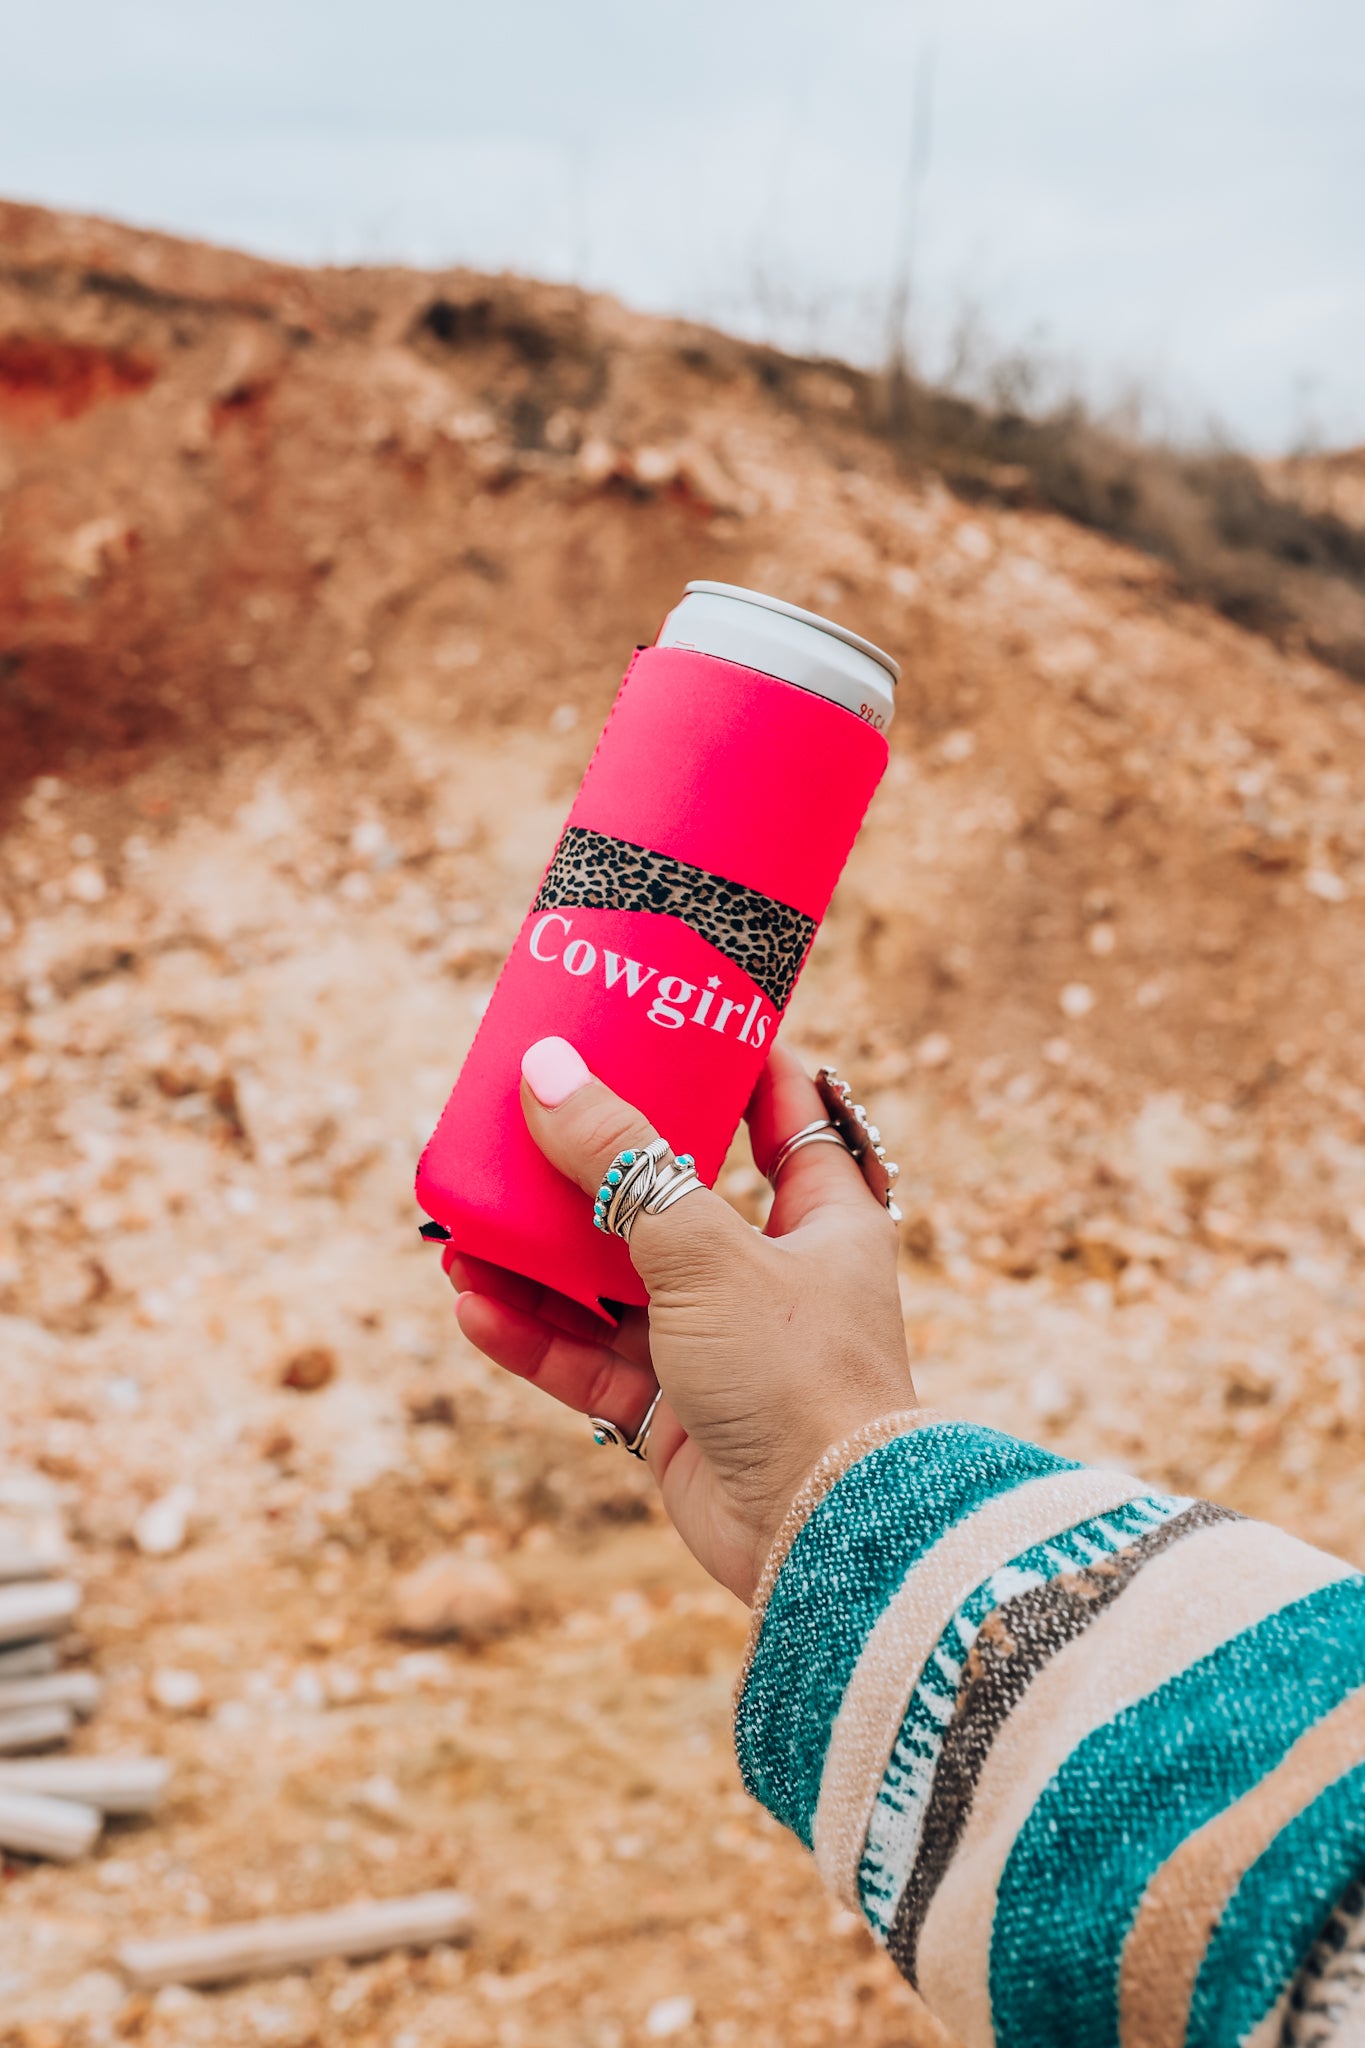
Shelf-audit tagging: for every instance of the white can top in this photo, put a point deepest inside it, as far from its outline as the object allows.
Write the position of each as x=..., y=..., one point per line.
x=781, y=640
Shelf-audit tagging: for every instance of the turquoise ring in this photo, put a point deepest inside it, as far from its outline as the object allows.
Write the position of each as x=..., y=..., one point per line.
x=625, y=1184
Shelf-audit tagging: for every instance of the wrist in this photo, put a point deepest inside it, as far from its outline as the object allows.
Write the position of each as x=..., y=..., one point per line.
x=855, y=1429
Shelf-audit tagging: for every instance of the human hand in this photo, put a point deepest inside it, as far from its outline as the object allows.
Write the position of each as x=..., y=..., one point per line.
x=768, y=1348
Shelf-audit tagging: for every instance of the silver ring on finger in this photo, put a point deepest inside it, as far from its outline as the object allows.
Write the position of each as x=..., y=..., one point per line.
x=821, y=1132
x=625, y=1185
x=642, y=1178
x=608, y=1435
x=678, y=1178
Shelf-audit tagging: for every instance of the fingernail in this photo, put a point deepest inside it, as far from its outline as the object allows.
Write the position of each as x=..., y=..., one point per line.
x=553, y=1071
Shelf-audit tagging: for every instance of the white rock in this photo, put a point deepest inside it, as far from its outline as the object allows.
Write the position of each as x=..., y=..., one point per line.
x=1165, y=1146
x=453, y=1594
x=94, y=1995
x=669, y=2016
x=1326, y=885
x=421, y=1668
x=597, y=460
x=86, y=883
x=1136, y=1281
x=379, y=1796
x=307, y=1689
x=161, y=1529
x=655, y=466
x=935, y=1050
x=344, y=1685
x=177, y=1691
x=956, y=747
x=176, y=2001
x=368, y=838
x=1049, y=1397
x=1077, y=999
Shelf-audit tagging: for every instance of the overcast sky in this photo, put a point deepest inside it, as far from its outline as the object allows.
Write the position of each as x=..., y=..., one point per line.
x=1164, y=197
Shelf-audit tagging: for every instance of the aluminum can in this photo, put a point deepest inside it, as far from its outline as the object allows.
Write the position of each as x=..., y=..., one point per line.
x=673, y=920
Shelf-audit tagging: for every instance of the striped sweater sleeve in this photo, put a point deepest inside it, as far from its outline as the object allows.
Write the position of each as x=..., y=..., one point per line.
x=1088, y=1757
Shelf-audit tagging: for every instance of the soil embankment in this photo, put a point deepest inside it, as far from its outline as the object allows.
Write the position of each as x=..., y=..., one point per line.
x=314, y=588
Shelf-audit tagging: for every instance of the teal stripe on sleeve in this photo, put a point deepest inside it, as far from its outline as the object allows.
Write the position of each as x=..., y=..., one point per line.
x=872, y=1527
x=1277, y=1913
x=1131, y=1792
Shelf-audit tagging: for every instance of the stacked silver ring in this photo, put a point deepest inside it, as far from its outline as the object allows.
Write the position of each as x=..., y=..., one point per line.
x=848, y=1124
x=647, y=1177
x=821, y=1132
x=678, y=1178
x=626, y=1182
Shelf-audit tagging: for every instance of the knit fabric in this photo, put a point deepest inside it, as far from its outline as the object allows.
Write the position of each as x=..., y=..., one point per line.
x=1326, y=2007
x=1090, y=1759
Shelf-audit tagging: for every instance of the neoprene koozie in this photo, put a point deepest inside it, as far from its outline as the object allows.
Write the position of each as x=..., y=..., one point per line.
x=674, y=918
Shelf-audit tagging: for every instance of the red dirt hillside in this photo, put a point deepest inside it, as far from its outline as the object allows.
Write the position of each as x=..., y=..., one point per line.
x=314, y=589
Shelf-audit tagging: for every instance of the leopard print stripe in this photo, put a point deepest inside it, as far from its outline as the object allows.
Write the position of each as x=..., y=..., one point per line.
x=768, y=940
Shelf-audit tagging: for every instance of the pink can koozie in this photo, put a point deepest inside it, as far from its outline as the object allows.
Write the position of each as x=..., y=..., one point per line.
x=673, y=920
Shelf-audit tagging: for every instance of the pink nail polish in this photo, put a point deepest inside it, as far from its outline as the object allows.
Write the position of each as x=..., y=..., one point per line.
x=553, y=1071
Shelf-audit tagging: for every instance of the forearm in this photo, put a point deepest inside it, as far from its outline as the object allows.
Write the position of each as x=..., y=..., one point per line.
x=1089, y=1758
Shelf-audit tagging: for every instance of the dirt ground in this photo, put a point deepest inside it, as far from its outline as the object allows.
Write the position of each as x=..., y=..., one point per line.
x=314, y=590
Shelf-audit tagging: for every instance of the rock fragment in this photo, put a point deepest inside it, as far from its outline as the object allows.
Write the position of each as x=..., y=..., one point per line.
x=266, y=1948
x=308, y=1370
x=161, y=1529
x=1326, y=884
x=79, y=1690
x=454, y=1595
x=669, y=2016
x=176, y=1691
x=41, y=1608
x=36, y=1825
x=115, y=1784
x=34, y=1728
x=28, y=1660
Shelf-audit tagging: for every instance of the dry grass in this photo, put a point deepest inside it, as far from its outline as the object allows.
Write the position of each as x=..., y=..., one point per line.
x=1269, y=558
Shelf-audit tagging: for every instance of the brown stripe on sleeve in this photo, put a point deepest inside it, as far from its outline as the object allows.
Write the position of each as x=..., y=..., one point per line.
x=1209, y=1588
x=869, y=1721
x=1014, y=1644
x=1186, y=1898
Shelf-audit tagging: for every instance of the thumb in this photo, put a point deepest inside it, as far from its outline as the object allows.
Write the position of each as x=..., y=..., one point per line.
x=580, y=1126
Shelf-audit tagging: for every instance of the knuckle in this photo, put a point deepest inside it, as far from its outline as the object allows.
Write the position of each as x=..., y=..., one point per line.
x=871, y=1230
x=607, y=1128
